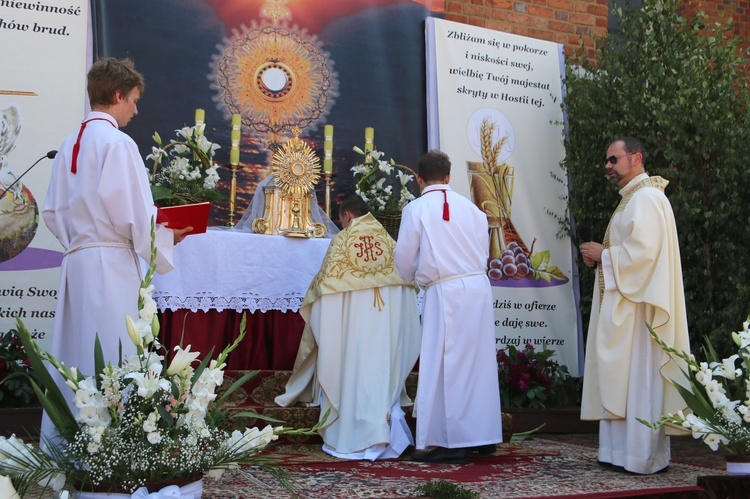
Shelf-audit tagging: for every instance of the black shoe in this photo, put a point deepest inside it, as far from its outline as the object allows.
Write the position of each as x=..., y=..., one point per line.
x=484, y=450
x=442, y=455
x=407, y=452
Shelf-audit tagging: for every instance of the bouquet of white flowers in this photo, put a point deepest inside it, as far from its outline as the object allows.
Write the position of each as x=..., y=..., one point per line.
x=141, y=422
x=382, y=184
x=718, y=396
x=190, y=174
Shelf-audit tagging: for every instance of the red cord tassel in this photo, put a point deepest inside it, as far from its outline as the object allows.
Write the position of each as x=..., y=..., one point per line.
x=446, y=210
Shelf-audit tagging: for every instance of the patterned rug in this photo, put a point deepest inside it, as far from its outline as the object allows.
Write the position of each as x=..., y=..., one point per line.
x=531, y=469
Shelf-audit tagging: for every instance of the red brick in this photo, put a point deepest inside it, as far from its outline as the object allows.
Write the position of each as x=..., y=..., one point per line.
x=541, y=22
x=598, y=10
x=541, y=34
x=516, y=18
x=477, y=11
x=453, y=7
x=477, y=21
x=561, y=27
x=477, y=2
x=499, y=14
x=583, y=19
x=561, y=4
x=541, y=11
x=519, y=30
x=500, y=4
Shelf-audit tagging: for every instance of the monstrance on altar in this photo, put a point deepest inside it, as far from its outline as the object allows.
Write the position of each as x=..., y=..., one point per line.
x=289, y=195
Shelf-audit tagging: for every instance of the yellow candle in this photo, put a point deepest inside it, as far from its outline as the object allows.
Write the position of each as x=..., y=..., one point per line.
x=328, y=149
x=328, y=156
x=369, y=137
x=236, y=135
x=200, y=116
x=236, y=121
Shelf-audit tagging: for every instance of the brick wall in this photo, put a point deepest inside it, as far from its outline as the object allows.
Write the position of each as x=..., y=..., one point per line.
x=570, y=22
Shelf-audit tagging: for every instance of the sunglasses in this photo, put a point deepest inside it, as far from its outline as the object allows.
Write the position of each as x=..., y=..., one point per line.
x=613, y=159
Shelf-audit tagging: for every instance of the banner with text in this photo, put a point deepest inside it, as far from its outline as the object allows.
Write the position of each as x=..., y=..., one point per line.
x=494, y=107
x=42, y=99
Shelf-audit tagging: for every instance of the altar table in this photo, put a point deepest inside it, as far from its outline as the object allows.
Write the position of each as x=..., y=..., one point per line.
x=224, y=274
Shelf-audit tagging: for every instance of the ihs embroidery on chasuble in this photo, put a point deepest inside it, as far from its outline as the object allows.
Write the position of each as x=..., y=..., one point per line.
x=360, y=255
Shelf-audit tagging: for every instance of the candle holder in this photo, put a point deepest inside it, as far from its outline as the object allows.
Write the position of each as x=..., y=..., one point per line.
x=328, y=176
x=234, y=168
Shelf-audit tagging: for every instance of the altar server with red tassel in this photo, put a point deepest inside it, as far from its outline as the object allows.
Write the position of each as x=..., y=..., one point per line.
x=443, y=243
x=99, y=206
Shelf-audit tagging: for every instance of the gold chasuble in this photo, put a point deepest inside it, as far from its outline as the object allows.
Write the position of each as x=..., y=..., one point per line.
x=639, y=282
x=359, y=257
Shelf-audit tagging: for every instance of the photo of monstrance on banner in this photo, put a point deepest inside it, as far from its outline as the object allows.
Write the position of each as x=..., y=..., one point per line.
x=280, y=81
x=512, y=261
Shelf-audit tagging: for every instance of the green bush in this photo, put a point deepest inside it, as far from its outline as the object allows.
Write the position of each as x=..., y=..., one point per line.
x=441, y=489
x=680, y=85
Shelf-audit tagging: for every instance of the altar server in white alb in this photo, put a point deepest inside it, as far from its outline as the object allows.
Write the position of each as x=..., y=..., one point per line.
x=360, y=343
x=443, y=243
x=639, y=282
x=99, y=206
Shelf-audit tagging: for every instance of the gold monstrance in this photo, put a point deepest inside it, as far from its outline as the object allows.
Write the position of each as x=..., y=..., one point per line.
x=289, y=196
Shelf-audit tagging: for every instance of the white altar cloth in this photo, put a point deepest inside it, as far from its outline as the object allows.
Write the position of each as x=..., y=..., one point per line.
x=227, y=269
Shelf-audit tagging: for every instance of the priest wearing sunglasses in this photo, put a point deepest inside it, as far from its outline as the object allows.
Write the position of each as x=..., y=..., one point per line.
x=638, y=283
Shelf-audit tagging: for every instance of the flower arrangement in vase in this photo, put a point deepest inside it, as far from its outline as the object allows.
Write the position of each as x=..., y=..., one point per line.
x=531, y=378
x=383, y=186
x=718, y=396
x=189, y=174
x=141, y=422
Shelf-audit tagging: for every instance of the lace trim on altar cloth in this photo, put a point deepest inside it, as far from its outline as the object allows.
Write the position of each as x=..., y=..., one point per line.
x=238, y=304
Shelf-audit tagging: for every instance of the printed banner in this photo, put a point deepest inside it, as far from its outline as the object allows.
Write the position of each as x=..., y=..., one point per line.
x=42, y=99
x=494, y=108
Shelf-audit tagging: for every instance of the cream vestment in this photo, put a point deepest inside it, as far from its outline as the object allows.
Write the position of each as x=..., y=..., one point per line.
x=627, y=375
x=360, y=343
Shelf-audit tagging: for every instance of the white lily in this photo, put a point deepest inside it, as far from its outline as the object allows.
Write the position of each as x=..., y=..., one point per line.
x=149, y=383
x=181, y=360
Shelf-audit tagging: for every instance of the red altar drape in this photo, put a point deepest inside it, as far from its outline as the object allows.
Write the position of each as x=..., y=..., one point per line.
x=271, y=342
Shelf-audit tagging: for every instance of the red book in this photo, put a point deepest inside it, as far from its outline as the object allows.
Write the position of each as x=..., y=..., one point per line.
x=185, y=215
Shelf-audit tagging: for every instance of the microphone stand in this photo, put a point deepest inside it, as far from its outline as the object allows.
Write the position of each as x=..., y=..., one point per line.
x=49, y=155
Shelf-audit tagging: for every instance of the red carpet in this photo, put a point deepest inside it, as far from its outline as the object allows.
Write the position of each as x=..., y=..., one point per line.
x=533, y=469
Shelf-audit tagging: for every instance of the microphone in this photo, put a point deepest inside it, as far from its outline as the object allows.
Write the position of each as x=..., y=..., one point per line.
x=49, y=155
x=584, y=234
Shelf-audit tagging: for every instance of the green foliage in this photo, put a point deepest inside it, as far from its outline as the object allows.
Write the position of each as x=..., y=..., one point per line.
x=16, y=374
x=441, y=489
x=679, y=85
x=531, y=378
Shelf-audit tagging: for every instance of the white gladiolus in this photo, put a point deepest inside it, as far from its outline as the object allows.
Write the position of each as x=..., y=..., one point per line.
x=713, y=440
